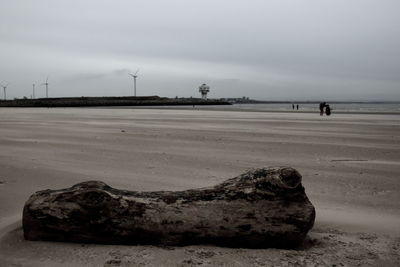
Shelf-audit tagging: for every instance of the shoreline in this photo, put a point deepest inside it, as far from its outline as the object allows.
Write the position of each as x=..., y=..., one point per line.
x=208, y=108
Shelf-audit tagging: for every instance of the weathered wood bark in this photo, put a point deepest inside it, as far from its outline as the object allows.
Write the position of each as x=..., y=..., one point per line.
x=261, y=208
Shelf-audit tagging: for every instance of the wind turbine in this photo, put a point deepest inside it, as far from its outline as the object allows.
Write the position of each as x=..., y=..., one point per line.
x=33, y=91
x=4, y=87
x=134, y=81
x=47, y=87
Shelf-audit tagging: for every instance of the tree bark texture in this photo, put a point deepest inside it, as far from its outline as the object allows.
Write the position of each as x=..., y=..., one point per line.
x=264, y=207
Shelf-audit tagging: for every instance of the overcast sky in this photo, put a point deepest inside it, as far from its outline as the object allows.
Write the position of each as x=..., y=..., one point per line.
x=271, y=50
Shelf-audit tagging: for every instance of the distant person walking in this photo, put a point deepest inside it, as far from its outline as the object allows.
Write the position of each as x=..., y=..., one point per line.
x=293, y=106
x=321, y=108
x=297, y=106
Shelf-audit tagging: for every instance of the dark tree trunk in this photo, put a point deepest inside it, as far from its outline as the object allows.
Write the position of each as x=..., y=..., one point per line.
x=261, y=208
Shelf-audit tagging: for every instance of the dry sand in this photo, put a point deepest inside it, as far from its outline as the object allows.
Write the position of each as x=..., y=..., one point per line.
x=350, y=165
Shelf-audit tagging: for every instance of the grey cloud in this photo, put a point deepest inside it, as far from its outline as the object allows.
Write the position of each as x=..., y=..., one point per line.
x=264, y=49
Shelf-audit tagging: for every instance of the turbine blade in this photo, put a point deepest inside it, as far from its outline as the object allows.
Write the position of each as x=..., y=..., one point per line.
x=136, y=72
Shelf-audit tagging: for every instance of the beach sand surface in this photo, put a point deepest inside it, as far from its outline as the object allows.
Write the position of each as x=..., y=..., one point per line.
x=350, y=165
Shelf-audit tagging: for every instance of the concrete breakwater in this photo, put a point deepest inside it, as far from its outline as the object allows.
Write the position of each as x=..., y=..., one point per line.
x=108, y=101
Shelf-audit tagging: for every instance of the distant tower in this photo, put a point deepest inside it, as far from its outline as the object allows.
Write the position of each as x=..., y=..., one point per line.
x=134, y=76
x=47, y=87
x=204, y=89
x=5, y=90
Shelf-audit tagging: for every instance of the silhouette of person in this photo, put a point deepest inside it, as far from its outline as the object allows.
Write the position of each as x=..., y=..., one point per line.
x=321, y=108
x=328, y=110
x=293, y=106
x=297, y=106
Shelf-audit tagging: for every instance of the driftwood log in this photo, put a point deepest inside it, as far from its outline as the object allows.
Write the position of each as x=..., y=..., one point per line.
x=261, y=208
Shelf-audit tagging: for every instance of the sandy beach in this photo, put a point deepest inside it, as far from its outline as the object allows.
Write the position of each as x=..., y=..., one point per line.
x=350, y=165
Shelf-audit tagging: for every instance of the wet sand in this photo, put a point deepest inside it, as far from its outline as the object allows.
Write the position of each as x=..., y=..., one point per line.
x=350, y=165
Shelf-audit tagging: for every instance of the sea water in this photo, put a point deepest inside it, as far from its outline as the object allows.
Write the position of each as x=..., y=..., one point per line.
x=335, y=107
x=385, y=108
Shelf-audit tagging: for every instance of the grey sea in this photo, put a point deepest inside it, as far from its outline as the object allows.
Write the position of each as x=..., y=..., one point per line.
x=374, y=108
